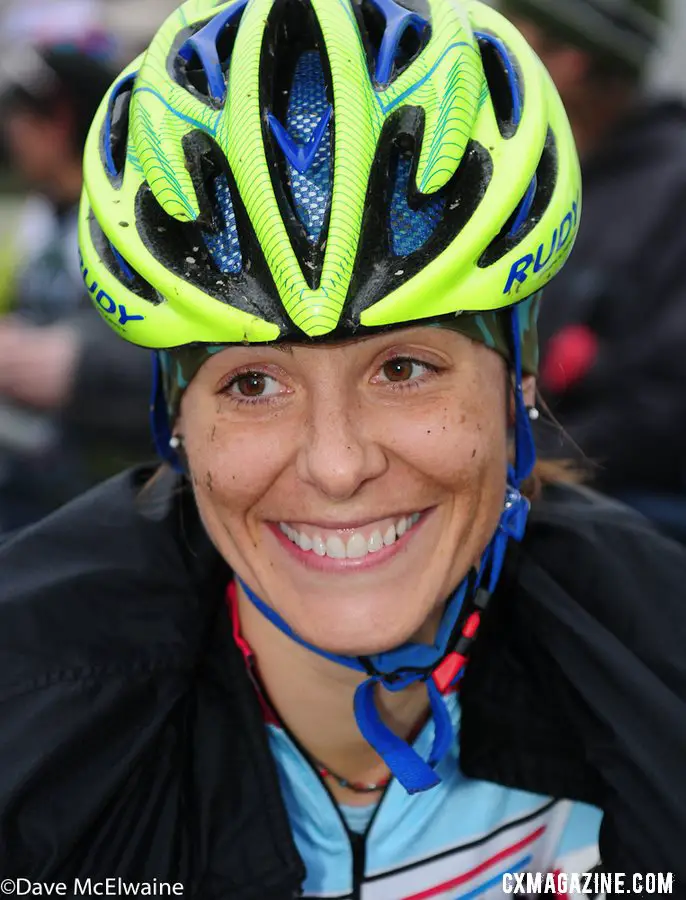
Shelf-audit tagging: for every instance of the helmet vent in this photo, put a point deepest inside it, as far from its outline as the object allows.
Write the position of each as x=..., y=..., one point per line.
x=118, y=266
x=411, y=225
x=403, y=230
x=396, y=36
x=530, y=209
x=224, y=246
x=504, y=83
x=202, y=61
x=307, y=144
x=219, y=252
x=299, y=128
x=116, y=128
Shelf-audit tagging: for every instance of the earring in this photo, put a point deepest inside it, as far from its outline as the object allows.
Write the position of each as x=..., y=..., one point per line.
x=534, y=414
x=175, y=442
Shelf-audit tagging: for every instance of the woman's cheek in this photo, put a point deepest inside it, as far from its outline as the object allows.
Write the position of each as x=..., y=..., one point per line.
x=452, y=448
x=233, y=466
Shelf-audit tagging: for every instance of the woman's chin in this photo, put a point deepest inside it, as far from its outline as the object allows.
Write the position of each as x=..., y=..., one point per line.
x=359, y=638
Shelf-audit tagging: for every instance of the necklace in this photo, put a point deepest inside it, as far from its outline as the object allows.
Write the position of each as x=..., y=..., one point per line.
x=359, y=787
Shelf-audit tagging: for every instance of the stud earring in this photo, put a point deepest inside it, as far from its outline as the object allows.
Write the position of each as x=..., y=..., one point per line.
x=175, y=442
x=534, y=414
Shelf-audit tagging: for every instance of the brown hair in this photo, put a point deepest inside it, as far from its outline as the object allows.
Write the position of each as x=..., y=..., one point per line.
x=551, y=471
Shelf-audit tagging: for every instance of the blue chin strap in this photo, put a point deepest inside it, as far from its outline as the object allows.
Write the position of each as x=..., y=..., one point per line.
x=441, y=664
x=397, y=669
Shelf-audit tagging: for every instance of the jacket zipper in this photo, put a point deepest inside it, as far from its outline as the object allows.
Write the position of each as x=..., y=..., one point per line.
x=358, y=847
x=357, y=841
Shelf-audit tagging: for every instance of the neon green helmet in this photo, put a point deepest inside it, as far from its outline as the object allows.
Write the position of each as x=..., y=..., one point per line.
x=297, y=168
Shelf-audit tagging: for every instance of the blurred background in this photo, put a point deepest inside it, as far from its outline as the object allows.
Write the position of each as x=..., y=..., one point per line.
x=73, y=397
x=119, y=27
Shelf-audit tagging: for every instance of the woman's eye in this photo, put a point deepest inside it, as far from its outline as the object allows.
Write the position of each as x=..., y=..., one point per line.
x=252, y=385
x=399, y=370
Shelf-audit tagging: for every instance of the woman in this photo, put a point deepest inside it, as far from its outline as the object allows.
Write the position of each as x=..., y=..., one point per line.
x=250, y=676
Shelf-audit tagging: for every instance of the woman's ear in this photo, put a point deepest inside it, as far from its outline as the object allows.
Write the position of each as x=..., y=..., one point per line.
x=529, y=390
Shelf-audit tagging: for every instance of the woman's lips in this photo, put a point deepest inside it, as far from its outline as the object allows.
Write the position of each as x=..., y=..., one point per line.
x=327, y=564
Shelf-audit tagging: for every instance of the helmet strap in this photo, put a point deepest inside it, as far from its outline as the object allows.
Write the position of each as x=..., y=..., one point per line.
x=441, y=665
x=397, y=669
x=159, y=420
x=525, y=447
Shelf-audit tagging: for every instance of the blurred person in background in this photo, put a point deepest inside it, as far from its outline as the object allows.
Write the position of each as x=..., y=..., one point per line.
x=614, y=325
x=72, y=397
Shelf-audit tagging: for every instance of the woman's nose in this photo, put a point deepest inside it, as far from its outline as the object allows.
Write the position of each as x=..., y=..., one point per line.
x=339, y=454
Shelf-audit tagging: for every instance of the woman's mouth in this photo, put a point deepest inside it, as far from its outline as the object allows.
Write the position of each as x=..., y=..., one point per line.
x=348, y=545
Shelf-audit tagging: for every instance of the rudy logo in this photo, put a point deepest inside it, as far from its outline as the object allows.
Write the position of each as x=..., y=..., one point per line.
x=520, y=270
x=106, y=303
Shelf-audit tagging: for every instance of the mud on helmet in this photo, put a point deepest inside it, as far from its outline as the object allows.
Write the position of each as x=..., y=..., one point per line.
x=301, y=170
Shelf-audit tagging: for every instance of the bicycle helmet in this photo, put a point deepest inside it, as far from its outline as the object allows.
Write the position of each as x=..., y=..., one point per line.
x=279, y=170
x=303, y=170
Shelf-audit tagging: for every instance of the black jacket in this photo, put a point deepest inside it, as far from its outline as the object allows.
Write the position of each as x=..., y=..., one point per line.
x=626, y=281
x=132, y=744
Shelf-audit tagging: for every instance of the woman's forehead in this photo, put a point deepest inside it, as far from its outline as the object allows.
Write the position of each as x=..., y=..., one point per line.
x=345, y=344
x=491, y=329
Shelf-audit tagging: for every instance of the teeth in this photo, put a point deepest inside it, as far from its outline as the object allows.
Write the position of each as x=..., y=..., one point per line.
x=357, y=546
x=375, y=542
x=389, y=537
x=335, y=548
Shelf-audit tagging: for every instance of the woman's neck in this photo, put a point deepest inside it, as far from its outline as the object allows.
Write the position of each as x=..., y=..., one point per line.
x=314, y=699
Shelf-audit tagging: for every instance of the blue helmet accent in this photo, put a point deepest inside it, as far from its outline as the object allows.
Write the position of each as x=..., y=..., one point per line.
x=124, y=267
x=123, y=85
x=224, y=246
x=512, y=76
x=411, y=228
x=398, y=20
x=306, y=143
x=301, y=156
x=525, y=447
x=204, y=43
x=525, y=207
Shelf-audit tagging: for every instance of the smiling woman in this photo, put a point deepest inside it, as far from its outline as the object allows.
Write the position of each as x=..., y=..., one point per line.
x=335, y=647
x=352, y=486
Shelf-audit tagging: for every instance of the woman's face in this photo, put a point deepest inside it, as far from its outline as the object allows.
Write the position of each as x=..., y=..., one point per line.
x=351, y=486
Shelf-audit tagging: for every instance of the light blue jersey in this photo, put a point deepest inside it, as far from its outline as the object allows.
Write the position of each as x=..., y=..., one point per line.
x=453, y=842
